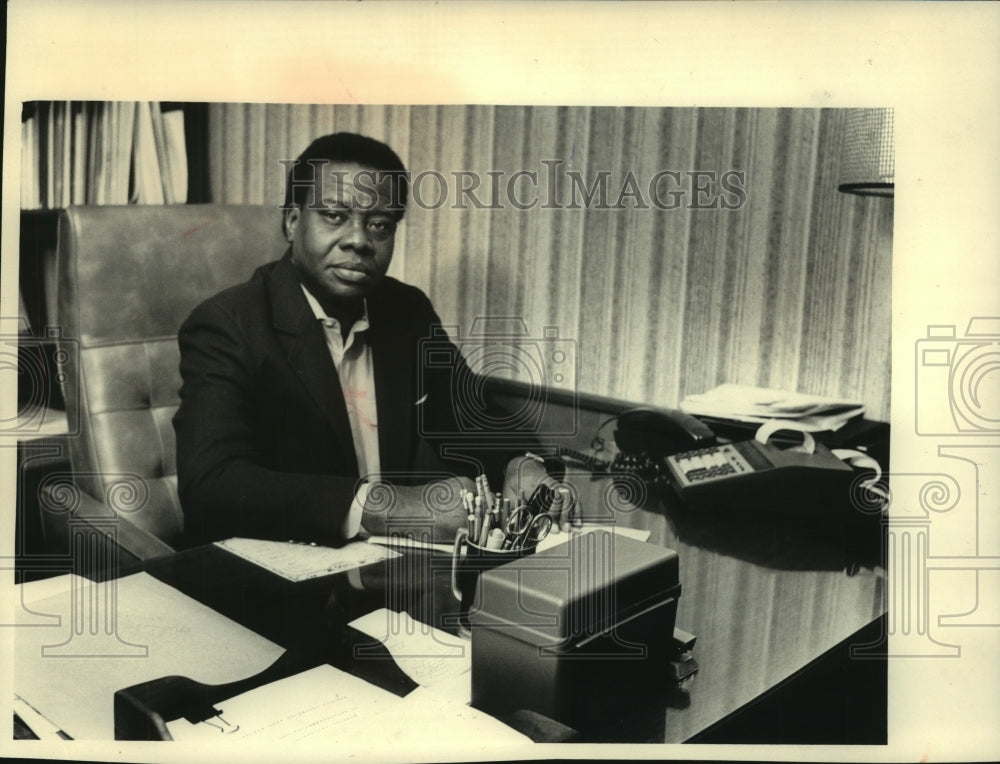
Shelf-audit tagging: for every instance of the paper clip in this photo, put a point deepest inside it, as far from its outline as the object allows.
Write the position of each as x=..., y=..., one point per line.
x=229, y=729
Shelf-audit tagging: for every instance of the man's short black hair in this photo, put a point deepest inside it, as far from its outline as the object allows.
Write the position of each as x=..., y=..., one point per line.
x=347, y=147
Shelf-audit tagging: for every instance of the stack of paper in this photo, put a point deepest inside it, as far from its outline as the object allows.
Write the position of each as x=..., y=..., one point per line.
x=742, y=403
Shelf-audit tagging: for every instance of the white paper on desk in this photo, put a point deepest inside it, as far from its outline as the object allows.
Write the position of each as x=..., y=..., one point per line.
x=28, y=594
x=34, y=591
x=452, y=722
x=406, y=541
x=330, y=706
x=322, y=703
x=555, y=539
x=430, y=657
x=298, y=562
x=120, y=633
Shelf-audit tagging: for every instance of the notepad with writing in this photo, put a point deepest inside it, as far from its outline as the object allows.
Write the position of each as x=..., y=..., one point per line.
x=299, y=562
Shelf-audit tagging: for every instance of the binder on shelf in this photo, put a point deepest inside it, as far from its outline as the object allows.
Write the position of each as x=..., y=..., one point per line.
x=115, y=152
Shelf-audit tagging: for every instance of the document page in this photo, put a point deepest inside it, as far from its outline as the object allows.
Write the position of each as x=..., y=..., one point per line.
x=432, y=658
x=321, y=703
x=295, y=561
x=104, y=637
x=456, y=723
x=331, y=706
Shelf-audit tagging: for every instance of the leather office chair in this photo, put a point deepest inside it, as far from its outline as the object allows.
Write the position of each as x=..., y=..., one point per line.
x=127, y=278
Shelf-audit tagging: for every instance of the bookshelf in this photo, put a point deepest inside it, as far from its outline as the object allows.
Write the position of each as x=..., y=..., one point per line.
x=74, y=153
x=96, y=152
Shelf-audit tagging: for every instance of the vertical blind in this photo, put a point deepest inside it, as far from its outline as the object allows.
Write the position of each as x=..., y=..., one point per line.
x=660, y=297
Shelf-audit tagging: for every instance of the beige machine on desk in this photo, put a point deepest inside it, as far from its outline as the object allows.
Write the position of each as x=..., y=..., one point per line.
x=127, y=278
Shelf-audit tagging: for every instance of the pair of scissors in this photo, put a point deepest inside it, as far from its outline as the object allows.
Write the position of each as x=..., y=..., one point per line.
x=537, y=530
x=519, y=521
x=525, y=529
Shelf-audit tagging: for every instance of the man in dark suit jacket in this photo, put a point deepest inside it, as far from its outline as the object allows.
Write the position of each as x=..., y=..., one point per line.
x=305, y=386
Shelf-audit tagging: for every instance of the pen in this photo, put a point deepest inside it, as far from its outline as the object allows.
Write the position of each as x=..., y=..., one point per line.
x=478, y=524
x=470, y=518
x=488, y=496
x=484, y=532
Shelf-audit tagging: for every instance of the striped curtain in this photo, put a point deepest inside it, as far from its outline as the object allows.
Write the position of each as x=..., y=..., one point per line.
x=662, y=296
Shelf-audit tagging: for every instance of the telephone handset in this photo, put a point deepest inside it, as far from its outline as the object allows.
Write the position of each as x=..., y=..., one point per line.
x=645, y=436
x=660, y=432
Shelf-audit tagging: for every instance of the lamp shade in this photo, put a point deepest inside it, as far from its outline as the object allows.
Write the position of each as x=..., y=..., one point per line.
x=868, y=158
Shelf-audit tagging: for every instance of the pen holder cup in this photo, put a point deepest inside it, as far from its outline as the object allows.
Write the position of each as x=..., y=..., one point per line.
x=468, y=560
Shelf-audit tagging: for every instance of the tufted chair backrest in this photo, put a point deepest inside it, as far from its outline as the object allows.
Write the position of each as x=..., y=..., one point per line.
x=128, y=277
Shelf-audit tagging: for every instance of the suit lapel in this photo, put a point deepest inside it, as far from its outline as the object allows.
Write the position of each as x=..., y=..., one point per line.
x=304, y=343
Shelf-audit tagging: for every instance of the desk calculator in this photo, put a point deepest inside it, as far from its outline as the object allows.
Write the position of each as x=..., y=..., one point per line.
x=751, y=473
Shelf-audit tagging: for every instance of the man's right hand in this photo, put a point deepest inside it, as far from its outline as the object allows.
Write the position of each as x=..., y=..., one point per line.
x=429, y=512
x=524, y=474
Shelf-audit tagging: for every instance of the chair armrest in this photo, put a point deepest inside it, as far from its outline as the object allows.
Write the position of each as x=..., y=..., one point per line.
x=92, y=516
x=139, y=542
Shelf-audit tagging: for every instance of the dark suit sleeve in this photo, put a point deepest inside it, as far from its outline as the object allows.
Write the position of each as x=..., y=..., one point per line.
x=461, y=419
x=225, y=489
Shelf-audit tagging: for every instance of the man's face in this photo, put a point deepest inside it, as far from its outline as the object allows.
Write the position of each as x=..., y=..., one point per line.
x=343, y=250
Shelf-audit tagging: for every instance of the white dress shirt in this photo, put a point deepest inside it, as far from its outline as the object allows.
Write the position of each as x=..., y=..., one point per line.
x=353, y=360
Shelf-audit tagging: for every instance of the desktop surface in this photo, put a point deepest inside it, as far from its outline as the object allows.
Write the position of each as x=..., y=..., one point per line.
x=766, y=599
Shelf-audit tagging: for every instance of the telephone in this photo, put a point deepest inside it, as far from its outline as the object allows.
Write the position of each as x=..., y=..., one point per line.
x=646, y=435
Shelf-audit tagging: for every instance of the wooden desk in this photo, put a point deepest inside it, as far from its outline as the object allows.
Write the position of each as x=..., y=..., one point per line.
x=765, y=600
